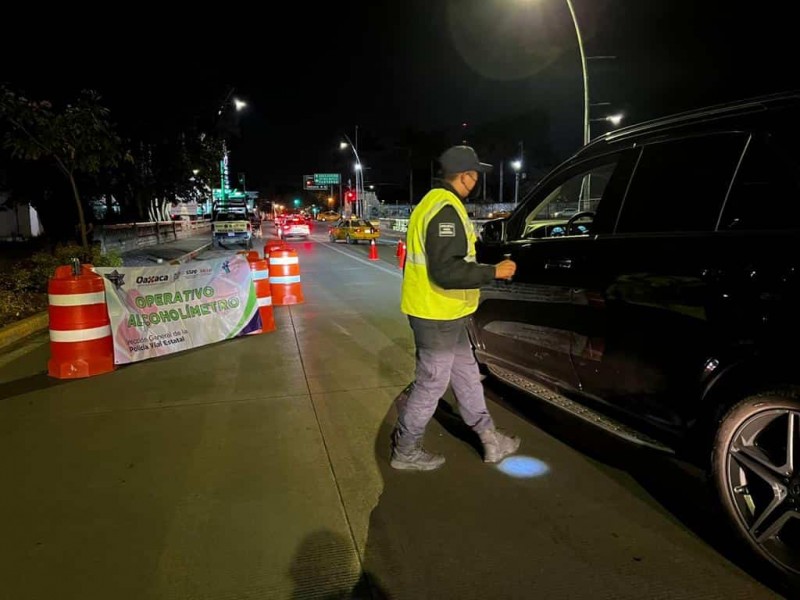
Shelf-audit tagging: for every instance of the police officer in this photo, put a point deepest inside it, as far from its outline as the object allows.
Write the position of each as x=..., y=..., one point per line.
x=441, y=281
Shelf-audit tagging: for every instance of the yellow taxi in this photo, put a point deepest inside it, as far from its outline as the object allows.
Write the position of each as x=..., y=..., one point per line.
x=353, y=230
x=328, y=215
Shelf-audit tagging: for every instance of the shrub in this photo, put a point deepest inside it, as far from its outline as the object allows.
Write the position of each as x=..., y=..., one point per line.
x=15, y=305
x=32, y=274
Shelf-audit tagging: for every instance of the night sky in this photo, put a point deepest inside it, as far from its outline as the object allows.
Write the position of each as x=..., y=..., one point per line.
x=311, y=75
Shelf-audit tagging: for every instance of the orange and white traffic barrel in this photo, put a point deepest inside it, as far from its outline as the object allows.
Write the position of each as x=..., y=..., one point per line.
x=284, y=277
x=272, y=246
x=259, y=271
x=81, y=344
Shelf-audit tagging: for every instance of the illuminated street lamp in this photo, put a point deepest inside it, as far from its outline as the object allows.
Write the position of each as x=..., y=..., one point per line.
x=516, y=165
x=615, y=120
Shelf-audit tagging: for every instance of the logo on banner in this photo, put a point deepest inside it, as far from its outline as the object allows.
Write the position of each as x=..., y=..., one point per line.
x=117, y=278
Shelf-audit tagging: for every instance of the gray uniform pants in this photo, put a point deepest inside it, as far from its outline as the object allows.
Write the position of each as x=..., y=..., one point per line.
x=444, y=357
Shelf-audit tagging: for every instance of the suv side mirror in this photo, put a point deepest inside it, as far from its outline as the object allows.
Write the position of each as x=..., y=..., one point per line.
x=493, y=232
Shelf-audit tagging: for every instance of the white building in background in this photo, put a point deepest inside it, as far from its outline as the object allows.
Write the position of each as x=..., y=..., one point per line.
x=18, y=222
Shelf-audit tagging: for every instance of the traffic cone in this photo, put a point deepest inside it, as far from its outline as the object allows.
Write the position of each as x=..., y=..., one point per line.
x=373, y=250
x=401, y=254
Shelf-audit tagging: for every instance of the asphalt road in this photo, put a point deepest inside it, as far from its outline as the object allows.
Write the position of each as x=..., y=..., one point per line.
x=258, y=468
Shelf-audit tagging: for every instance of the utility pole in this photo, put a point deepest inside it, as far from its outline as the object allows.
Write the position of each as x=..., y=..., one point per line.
x=500, y=195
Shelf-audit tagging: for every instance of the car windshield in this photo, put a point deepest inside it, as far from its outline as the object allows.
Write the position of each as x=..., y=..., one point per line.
x=576, y=194
x=359, y=223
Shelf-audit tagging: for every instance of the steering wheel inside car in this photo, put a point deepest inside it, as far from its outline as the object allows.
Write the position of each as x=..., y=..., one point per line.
x=571, y=223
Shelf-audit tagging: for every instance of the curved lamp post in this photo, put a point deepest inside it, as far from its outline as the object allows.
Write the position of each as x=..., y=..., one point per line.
x=359, y=172
x=585, y=74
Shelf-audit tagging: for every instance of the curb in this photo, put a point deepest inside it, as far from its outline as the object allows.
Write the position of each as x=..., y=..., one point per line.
x=16, y=331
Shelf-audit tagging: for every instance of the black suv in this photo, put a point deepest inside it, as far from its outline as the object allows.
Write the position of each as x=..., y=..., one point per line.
x=666, y=307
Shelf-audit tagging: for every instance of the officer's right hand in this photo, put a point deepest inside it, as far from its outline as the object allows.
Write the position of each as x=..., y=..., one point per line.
x=505, y=269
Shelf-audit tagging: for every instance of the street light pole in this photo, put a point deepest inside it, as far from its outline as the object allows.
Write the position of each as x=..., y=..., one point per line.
x=359, y=169
x=239, y=105
x=585, y=74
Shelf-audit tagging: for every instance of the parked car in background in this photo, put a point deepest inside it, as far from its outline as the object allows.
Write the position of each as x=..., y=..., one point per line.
x=353, y=230
x=664, y=308
x=567, y=212
x=294, y=226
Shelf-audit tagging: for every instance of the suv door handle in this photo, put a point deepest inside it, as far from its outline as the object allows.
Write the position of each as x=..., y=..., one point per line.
x=558, y=263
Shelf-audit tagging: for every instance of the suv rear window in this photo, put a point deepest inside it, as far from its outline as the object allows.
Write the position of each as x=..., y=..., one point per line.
x=230, y=217
x=681, y=185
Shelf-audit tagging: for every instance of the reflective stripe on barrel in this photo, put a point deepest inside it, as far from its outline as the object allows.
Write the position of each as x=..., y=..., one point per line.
x=79, y=335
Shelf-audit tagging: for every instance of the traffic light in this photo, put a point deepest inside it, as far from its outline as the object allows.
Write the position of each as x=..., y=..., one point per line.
x=297, y=201
x=350, y=196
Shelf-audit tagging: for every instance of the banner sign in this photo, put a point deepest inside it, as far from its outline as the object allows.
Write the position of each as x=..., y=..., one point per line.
x=161, y=310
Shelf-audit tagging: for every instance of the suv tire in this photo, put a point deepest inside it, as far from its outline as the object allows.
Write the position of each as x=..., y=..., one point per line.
x=756, y=482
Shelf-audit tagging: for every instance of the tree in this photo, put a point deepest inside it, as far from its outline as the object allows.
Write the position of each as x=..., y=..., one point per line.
x=78, y=139
x=178, y=167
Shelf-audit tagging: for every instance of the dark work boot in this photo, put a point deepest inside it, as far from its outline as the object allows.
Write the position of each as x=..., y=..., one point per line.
x=413, y=457
x=497, y=445
x=416, y=459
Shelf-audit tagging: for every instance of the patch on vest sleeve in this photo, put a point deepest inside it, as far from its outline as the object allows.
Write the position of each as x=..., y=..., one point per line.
x=447, y=230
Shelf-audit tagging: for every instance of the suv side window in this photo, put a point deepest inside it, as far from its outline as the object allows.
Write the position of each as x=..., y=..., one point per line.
x=578, y=192
x=681, y=185
x=766, y=193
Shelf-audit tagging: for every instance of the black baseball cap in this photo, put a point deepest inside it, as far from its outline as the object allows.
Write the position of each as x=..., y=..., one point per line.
x=459, y=159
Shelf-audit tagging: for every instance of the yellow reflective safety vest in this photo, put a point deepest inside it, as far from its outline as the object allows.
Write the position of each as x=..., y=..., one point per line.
x=420, y=296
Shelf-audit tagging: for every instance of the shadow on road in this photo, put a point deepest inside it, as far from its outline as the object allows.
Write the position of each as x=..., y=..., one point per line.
x=326, y=567
x=31, y=383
